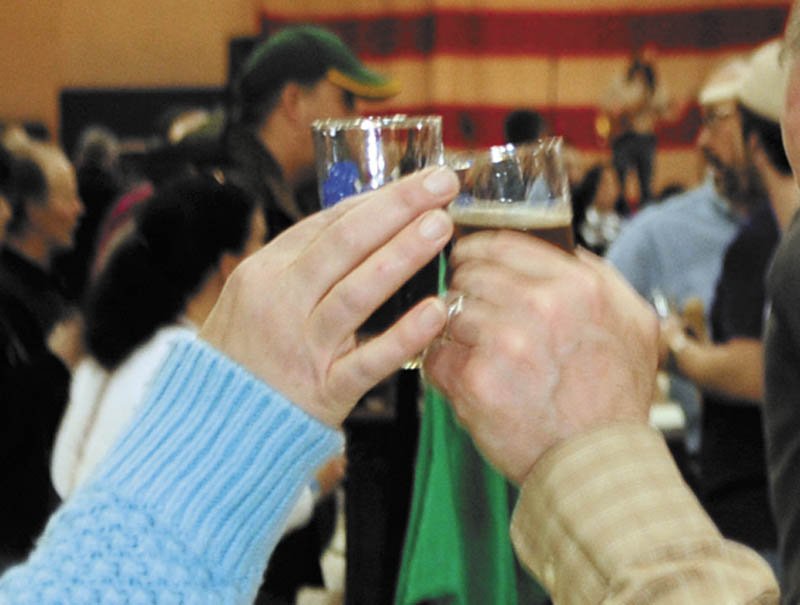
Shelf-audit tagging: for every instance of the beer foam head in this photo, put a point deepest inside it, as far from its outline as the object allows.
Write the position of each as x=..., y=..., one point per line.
x=523, y=216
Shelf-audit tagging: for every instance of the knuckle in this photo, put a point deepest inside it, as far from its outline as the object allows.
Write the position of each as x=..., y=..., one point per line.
x=649, y=324
x=546, y=307
x=346, y=240
x=405, y=195
x=467, y=277
x=512, y=345
x=592, y=286
x=474, y=383
x=532, y=300
x=461, y=273
x=458, y=254
x=245, y=273
x=364, y=370
x=352, y=300
x=591, y=293
x=499, y=244
x=407, y=337
x=480, y=396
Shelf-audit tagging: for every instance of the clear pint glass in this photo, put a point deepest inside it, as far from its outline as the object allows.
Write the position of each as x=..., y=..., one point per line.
x=524, y=188
x=363, y=154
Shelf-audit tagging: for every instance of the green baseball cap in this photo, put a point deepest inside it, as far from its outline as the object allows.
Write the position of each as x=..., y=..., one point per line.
x=307, y=53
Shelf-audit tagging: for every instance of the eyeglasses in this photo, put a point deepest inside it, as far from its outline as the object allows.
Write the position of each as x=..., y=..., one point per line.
x=712, y=117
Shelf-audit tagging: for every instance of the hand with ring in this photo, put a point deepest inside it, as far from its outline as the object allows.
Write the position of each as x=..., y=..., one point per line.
x=540, y=345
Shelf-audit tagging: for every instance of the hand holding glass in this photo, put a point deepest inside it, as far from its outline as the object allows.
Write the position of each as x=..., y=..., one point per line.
x=362, y=154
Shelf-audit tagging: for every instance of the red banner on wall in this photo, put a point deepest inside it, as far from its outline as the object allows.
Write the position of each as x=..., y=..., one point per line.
x=474, y=65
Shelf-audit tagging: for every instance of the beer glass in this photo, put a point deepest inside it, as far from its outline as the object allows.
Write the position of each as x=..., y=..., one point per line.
x=521, y=187
x=361, y=154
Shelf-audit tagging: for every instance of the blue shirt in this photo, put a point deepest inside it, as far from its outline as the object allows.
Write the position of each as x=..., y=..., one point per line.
x=678, y=247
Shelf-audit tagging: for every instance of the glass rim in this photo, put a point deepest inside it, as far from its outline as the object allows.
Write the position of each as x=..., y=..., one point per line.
x=491, y=154
x=399, y=121
x=546, y=143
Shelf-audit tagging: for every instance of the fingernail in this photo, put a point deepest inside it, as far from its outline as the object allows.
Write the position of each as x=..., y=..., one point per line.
x=440, y=182
x=435, y=225
x=432, y=316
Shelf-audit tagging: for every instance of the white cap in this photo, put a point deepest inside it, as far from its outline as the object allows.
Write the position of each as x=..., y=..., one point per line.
x=764, y=86
x=724, y=82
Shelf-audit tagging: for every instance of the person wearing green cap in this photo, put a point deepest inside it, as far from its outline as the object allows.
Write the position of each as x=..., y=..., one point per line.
x=300, y=74
x=294, y=77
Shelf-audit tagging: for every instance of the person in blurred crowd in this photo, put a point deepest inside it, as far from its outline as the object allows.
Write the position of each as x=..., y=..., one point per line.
x=166, y=156
x=185, y=506
x=782, y=339
x=523, y=126
x=595, y=221
x=301, y=74
x=46, y=214
x=33, y=389
x=672, y=252
x=732, y=483
x=159, y=284
x=100, y=183
x=634, y=104
x=298, y=75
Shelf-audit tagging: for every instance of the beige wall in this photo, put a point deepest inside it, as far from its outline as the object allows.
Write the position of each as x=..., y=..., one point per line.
x=49, y=44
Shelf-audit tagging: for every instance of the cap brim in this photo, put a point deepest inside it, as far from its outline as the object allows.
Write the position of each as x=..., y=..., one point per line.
x=719, y=93
x=365, y=84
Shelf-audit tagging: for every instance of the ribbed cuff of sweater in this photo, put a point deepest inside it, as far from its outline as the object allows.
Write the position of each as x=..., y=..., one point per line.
x=218, y=455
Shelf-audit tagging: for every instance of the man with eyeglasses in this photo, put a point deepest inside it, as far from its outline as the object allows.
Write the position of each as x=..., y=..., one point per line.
x=740, y=139
x=301, y=74
x=674, y=249
x=742, y=142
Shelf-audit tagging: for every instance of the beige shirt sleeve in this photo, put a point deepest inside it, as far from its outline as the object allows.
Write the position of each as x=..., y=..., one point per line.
x=606, y=518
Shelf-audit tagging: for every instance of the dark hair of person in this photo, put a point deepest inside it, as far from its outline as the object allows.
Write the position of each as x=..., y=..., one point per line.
x=179, y=235
x=38, y=131
x=97, y=147
x=670, y=190
x=523, y=126
x=26, y=184
x=638, y=67
x=769, y=135
x=250, y=110
x=583, y=194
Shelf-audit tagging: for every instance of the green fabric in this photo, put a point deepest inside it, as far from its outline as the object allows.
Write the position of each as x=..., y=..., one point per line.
x=458, y=549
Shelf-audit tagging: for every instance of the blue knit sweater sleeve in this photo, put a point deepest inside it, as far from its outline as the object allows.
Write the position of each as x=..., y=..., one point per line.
x=191, y=501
